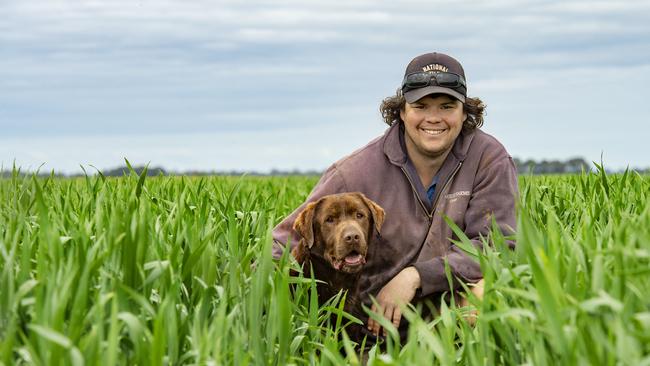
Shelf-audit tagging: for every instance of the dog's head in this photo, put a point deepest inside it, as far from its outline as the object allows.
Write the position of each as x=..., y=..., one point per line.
x=339, y=228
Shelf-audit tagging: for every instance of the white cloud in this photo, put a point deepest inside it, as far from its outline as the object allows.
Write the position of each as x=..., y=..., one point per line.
x=271, y=36
x=606, y=7
x=123, y=68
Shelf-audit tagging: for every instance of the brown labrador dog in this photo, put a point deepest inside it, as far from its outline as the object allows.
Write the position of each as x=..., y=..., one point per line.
x=336, y=232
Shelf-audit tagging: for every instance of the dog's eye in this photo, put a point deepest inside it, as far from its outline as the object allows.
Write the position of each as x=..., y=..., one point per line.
x=360, y=215
x=329, y=219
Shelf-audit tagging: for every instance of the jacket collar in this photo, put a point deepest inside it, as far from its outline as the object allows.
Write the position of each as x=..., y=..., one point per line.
x=397, y=155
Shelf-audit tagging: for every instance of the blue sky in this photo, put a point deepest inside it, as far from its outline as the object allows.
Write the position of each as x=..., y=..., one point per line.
x=258, y=85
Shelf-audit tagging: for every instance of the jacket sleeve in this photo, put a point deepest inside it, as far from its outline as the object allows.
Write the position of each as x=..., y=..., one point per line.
x=493, y=197
x=330, y=182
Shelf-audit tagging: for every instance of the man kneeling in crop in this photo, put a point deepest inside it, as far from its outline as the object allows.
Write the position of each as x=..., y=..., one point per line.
x=432, y=161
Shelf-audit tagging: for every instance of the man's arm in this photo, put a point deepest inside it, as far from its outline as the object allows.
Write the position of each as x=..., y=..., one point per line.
x=493, y=197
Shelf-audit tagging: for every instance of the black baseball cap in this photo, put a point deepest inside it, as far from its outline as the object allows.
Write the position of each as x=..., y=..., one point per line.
x=431, y=63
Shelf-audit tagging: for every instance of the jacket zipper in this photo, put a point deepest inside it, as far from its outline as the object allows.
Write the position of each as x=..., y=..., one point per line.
x=424, y=208
x=433, y=206
x=451, y=177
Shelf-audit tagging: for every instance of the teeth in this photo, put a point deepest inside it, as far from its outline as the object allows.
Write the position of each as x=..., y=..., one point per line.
x=432, y=132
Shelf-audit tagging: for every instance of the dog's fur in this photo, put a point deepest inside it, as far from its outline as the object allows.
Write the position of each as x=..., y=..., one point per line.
x=336, y=232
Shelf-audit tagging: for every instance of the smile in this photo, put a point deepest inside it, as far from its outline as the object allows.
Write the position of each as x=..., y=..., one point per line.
x=432, y=132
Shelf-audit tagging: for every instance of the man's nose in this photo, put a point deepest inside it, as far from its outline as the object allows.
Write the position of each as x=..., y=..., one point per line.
x=433, y=116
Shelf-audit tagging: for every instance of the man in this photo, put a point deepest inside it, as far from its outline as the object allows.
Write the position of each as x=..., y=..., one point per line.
x=431, y=162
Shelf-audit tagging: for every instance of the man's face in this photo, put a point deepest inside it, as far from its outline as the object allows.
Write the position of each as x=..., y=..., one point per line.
x=432, y=124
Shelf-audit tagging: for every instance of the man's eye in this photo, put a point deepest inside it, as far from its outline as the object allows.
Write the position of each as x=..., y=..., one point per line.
x=360, y=215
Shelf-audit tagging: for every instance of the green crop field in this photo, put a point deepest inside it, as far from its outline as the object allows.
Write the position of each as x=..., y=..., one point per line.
x=177, y=270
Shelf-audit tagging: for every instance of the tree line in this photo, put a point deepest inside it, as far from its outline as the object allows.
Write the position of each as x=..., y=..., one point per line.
x=570, y=166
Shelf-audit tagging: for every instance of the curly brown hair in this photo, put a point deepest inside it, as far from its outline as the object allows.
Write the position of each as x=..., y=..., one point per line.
x=391, y=106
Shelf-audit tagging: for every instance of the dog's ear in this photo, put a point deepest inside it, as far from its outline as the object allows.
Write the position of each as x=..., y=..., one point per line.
x=376, y=211
x=304, y=224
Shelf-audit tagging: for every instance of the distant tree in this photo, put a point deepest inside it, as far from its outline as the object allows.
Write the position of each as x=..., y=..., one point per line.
x=121, y=171
x=571, y=166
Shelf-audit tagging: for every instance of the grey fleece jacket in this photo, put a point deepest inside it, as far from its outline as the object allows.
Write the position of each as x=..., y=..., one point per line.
x=478, y=182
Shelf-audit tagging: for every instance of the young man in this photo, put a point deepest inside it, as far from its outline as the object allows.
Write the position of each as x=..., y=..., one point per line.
x=431, y=162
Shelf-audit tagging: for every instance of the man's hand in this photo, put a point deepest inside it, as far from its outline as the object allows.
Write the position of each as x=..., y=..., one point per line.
x=477, y=290
x=398, y=291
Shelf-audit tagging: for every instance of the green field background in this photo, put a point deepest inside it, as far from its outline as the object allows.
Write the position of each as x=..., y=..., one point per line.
x=177, y=270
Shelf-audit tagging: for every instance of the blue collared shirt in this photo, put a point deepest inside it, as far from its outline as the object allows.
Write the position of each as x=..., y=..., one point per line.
x=431, y=191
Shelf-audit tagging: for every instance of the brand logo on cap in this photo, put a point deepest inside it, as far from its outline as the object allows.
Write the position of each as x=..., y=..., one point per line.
x=435, y=67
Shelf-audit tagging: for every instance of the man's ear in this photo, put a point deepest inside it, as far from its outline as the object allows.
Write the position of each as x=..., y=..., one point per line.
x=376, y=211
x=304, y=224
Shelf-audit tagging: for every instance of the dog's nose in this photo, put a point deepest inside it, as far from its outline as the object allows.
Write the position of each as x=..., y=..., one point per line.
x=351, y=237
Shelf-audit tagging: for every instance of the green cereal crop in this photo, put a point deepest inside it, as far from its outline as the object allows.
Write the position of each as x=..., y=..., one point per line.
x=177, y=270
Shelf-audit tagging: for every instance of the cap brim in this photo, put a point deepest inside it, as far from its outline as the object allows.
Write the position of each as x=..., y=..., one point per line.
x=414, y=95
